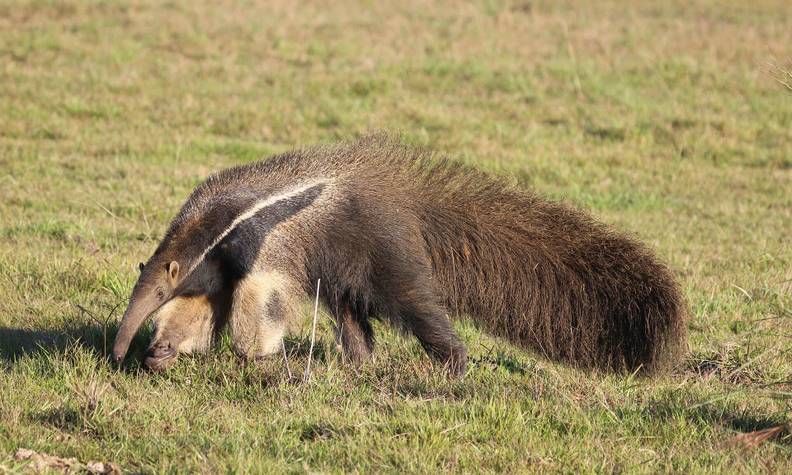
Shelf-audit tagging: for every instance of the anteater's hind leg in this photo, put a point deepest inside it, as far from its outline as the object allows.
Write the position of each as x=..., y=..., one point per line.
x=429, y=323
x=416, y=307
x=354, y=333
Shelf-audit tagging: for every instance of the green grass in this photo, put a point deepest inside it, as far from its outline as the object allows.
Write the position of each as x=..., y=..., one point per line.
x=664, y=119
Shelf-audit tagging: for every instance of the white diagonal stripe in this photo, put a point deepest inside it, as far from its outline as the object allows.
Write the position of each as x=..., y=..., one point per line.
x=247, y=214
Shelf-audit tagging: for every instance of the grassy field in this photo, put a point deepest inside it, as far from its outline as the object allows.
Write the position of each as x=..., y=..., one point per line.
x=666, y=119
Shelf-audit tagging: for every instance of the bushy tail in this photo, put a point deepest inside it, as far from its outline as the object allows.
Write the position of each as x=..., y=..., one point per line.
x=547, y=276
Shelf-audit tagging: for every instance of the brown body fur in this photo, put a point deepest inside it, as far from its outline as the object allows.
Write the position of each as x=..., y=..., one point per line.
x=402, y=235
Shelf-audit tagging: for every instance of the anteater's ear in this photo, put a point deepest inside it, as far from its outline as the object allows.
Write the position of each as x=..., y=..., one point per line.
x=141, y=266
x=173, y=272
x=239, y=249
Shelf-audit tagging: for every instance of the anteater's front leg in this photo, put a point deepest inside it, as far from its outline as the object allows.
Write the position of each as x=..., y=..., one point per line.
x=259, y=313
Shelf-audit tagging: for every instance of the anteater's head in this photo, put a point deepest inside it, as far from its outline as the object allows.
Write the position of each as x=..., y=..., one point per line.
x=161, y=279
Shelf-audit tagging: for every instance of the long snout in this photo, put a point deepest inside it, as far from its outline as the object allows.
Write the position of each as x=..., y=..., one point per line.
x=140, y=307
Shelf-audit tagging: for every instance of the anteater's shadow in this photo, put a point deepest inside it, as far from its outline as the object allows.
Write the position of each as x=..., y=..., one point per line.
x=18, y=343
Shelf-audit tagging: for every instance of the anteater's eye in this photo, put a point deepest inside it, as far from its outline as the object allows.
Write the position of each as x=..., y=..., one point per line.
x=160, y=293
x=141, y=266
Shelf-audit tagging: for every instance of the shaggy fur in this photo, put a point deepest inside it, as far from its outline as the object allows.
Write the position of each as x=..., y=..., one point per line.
x=412, y=238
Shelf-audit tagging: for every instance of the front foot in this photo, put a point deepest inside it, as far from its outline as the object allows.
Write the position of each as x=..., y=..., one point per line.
x=456, y=362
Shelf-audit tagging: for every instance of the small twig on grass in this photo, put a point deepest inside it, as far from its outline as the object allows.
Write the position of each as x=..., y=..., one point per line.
x=307, y=374
x=745, y=292
x=103, y=323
